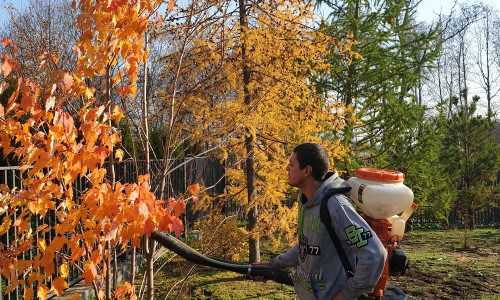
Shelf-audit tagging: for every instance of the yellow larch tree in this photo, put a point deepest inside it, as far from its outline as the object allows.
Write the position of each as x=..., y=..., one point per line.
x=244, y=93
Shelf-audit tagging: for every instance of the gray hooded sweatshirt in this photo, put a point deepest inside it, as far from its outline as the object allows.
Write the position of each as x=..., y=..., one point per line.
x=318, y=271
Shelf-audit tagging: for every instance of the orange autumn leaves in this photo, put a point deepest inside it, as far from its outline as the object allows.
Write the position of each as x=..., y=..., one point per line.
x=113, y=31
x=53, y=152
x=54, y=149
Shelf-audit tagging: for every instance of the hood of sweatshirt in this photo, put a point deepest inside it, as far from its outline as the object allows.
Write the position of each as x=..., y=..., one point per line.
x=331, y=181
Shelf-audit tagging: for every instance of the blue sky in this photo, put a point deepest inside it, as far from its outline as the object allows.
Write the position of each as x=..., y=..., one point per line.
x=4, y=15
x=428, y=9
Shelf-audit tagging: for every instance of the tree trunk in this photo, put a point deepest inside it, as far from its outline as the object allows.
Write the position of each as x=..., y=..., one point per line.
x=132, y=265
x=149, y=251
x=108, y=271
x=112, y=179
x=148, y=243
x=350, y=95
x=252, y=214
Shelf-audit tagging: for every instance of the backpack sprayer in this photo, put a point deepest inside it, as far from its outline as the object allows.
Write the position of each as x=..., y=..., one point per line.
x=380, y=194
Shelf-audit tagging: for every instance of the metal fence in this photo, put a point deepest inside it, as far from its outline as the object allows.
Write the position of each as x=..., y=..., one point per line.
x=424, y=217
x=182, y=173
x=11, y=176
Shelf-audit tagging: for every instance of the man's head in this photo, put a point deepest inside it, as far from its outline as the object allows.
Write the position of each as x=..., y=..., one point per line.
x=308, y=160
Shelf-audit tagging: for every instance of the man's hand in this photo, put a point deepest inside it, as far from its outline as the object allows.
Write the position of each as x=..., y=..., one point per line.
x=340, y=296
x=260, y=278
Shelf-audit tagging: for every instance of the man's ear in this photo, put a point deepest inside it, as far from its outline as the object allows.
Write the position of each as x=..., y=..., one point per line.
x=308, y=170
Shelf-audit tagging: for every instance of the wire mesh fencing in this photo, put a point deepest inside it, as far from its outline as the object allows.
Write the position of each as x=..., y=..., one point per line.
x=179, y=174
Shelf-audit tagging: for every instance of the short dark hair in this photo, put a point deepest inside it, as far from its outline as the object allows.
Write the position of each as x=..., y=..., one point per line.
x=314, y=155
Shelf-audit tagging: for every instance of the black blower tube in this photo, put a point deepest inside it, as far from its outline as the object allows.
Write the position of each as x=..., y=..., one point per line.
x=196, y=257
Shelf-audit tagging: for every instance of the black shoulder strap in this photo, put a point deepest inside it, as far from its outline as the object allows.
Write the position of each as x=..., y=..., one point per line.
x=327, y=220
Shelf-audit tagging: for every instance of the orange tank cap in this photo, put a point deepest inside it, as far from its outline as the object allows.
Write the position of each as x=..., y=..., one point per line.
x=380, y=175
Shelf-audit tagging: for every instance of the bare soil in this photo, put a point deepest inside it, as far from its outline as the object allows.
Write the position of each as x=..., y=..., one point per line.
x=441, y=268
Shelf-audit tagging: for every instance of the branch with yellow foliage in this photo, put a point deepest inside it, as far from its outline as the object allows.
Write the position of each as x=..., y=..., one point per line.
x=258, y=104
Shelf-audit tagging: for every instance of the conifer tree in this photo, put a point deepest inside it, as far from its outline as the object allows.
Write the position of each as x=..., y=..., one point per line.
x=471, y=158
x=424, y=168
x=382, y=85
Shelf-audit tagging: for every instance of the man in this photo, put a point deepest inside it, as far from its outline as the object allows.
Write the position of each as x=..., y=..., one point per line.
x=319, y=271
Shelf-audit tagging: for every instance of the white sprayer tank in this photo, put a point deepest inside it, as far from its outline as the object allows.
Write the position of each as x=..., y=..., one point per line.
x=380, y=193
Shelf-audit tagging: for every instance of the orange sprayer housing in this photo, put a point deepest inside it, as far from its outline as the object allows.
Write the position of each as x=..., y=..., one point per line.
x=380, y=175
x=381, y=195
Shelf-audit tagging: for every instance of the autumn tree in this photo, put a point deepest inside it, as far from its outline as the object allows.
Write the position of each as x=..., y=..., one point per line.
x=244, y=95
x=55, y=148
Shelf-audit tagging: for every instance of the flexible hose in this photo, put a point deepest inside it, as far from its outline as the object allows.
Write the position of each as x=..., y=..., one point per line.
x=196, y=257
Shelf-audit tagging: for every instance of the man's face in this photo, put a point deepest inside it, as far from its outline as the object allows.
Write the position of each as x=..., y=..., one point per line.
x=296, y=175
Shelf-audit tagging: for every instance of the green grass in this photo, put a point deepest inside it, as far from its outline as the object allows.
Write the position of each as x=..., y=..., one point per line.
x=179, y=279
x=441, y=269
